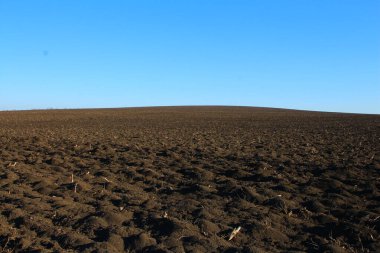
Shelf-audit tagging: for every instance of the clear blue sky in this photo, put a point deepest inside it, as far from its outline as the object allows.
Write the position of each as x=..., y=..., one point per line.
x=305, y=54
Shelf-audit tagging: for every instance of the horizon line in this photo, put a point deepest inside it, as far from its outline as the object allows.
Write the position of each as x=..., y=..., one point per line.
x=160, y=106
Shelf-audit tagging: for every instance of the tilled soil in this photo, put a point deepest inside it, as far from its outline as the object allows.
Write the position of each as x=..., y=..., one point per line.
x=181, y=179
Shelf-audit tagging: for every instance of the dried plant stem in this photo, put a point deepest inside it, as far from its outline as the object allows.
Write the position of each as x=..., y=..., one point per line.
x=234, y=233
x=109, y=181
x=12, y=165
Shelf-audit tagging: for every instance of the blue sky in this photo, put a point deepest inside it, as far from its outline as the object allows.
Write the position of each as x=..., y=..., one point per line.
x=304, y=54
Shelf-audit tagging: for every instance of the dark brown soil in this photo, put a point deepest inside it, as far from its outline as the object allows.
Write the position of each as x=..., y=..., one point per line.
x=180, y=179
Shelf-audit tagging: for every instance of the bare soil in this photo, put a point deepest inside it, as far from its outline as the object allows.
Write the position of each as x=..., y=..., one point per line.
x=180, y=179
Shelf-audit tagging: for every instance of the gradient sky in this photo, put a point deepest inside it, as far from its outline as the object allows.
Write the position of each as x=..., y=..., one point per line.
x=304, y=54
